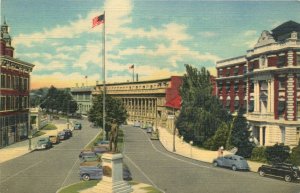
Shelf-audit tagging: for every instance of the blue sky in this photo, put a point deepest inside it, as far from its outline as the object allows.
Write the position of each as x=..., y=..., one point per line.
x=157, y=36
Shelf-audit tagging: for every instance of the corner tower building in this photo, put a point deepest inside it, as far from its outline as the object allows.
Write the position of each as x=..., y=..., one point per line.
x=14, y=93
x=266, y=83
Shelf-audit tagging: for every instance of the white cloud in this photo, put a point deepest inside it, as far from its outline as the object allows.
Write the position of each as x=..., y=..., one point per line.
x=250, y=33
x=208, y=34
x=53, y=65
x=91, y=54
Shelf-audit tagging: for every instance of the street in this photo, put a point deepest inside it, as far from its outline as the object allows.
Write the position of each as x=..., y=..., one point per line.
x=152, y=164
x=46, y=170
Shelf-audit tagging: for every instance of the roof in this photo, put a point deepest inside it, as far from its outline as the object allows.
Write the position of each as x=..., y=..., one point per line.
x=285, y=28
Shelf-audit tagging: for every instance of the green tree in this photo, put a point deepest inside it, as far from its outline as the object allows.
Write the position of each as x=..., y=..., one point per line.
x=59, y=100
x=201, y=113
x=239, y=136
x=219, y=139
x=114, y=109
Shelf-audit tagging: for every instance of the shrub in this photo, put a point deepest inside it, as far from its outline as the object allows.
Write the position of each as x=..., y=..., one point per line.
x=295, y=155
x=258, y=154
x=277, y=153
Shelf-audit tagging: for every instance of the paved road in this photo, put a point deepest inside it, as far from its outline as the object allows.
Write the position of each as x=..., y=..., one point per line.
x=151, y=163
x=47, y=170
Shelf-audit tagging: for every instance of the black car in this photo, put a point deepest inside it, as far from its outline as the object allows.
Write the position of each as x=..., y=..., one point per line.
x=63, y=135
x=286, y=171
x=77, y=126
x=68, y=132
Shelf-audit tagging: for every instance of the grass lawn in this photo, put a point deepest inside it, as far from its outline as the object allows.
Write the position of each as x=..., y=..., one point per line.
x=39, y=133
x=79, y=186
x=49, y=126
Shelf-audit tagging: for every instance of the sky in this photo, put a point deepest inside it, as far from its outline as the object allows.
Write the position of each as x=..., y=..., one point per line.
x=157, y=36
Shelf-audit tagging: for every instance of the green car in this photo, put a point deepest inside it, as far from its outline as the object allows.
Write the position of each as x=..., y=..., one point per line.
x=43, y=143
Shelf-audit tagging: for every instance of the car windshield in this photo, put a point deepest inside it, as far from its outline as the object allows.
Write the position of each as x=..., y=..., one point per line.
x=295, y=168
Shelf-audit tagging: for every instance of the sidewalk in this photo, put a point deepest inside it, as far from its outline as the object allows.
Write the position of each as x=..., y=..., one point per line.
x=21, y=148
x=186, y=150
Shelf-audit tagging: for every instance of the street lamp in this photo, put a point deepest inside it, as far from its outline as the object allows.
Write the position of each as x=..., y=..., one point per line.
x=191, y=145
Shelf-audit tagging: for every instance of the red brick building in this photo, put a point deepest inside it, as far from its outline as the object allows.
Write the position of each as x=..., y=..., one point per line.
x=266, y=83
x=14, y=93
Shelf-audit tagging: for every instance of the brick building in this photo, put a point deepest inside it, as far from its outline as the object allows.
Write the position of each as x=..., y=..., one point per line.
x=14, y=93
x=266, y=83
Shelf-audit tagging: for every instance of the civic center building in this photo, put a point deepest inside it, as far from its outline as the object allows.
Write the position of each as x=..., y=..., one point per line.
x=266, y=83
x=14, y=93
x=147, y=101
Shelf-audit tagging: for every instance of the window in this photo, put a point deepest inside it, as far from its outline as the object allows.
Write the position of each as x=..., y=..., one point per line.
x=281, y=83
x=298, y=59
x=251, y=106
x=245, y=69
x=228, y=72
x=236, y=71
x=281, y=61
x=13, y=82
x=2, y=105
x=298, y=82
x=298, y=134
x=236, y=87
x=236, y=104
x=281, y=108
x=298, y=110
x=3, y=82
x=8, y=81
x=227, y=103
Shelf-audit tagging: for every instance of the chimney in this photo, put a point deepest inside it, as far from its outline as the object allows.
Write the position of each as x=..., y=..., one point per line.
x=137, y=77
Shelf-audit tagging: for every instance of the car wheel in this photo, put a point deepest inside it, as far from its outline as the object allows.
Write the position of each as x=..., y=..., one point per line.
x=287, y=178
x=215, y=164
x=261, y=173
x=85, y=177
x=233, y=167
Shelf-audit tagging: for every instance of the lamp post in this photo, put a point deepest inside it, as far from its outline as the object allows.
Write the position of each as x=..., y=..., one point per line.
x=191, y=145
x=174, y=130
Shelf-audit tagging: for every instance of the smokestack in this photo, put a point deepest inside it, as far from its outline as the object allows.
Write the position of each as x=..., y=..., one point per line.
x=137, y=77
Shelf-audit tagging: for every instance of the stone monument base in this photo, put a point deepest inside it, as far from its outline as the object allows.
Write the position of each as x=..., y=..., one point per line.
x=112, y=180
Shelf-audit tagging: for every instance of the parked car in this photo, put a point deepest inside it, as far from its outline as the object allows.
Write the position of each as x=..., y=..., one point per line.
x=100, y=149
x=102, y=143
x=63, y=135
x=288, y=172
x=90, y=173
x=87, y=153
x=54, y=139
x=90, y=161
x=77, y=126
x=68, y=132
x=43, y=143
x=234, y=162
x=137, y=124
x=95, y=173
x=149, y=129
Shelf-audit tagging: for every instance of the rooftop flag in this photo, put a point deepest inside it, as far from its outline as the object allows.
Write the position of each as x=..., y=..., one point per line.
x=131, y=67
x=98, y=20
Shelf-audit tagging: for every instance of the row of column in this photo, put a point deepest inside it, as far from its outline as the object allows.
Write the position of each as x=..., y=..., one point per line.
x=141, y=109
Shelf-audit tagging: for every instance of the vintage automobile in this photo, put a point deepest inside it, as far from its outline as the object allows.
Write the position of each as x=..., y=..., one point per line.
x=68, y=132
x=234, y=162
x=77, y=126
x=288, y=172
x=54, y=139
x=95, y=173
x=43, y=143
x=63, y=135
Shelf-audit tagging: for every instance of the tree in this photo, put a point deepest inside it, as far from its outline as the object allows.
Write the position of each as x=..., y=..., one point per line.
x=239, y=136
x=219, y=139
x=114, y=110
x=201, y=113
x=295, y=155
x=59, y=100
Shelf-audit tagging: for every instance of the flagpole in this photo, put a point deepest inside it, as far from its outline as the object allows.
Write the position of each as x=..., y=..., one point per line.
x=103, y=72
x=133, y=73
